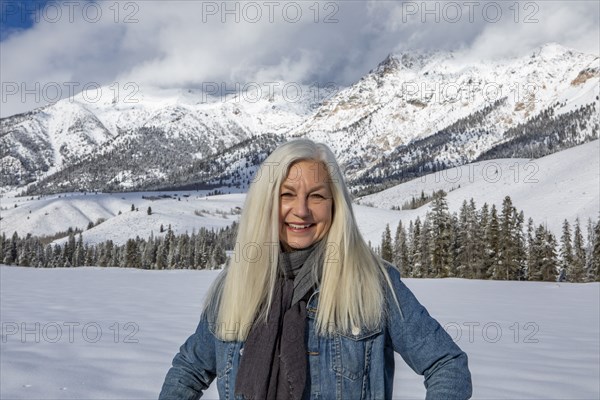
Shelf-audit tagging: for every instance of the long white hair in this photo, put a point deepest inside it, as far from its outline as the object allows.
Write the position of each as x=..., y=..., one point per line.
x=353, y=279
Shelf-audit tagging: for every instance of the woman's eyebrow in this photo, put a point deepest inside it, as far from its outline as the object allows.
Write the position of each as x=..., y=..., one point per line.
x=314, y=189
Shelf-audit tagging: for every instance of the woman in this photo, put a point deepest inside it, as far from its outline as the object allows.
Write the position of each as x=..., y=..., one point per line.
x=305, y=309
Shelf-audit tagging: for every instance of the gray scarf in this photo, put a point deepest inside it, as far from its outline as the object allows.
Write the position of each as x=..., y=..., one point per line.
x=273, y=365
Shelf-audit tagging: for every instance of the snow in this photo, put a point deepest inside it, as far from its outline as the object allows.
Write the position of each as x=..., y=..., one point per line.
x=409, y=96
x=56, y=213
x=413, y=95
x=563, y=185
x=528, y=340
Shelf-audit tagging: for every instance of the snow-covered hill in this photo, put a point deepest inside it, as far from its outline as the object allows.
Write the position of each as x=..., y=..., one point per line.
x=564, y=185
x=185, y=211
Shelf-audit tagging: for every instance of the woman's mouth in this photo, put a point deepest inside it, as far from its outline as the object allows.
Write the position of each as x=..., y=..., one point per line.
x=299, y=227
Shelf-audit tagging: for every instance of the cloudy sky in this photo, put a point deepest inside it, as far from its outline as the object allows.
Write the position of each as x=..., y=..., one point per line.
x=186, y=44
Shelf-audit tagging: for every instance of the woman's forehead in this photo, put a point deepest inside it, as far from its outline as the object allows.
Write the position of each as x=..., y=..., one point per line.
x=307, y=171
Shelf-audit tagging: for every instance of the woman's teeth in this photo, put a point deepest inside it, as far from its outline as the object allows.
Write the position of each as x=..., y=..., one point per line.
x=294, y=226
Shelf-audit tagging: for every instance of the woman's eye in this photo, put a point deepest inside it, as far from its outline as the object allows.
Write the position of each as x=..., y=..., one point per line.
x=317, y=196
x=286, y=194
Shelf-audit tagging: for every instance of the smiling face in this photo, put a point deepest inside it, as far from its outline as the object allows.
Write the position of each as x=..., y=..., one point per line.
x=305, y=206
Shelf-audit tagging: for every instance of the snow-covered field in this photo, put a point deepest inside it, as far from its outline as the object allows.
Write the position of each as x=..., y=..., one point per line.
x=94, y=333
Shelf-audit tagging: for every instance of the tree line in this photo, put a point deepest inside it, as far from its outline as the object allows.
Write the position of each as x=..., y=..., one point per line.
x=474, y=243
x=204, y=249
x=491, y=244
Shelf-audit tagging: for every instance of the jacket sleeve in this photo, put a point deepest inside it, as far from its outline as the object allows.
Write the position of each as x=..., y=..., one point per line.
x=425, y=346
x=194, y=367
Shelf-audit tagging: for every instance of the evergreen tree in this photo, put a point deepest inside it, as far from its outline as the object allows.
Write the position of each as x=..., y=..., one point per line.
x=415, y=249
x=576, y=272
x=520, y=246
x=462, y=256
x=132, y=255
x=200, y=256
x=3, y=246
x=11, y=251
x=52, y=255
x=115, y=259
x=441, y=233
x=492, y=241
x=401, y=251
x=149, y=253
x=190, y=257
x=566, y=250
x=149, y=211
x=106, y=253
x=41, y=249
x=550, y=266
x=507, y=267
x=536, y=254
x=23, y=255
x=162, y=252
x=543, y=255
x=468, y=242
x=33, y=253
x=454, y=244
x=183, y=252
x=78, y=254
x=89, y=254
x=589, y=250
x=69, y=250
x=530, y=249
x=171, y=244
x=477, y=236
x=48, y=256
x=386, y=244
x=425, y=247
x=218, y=256
x=594, y=270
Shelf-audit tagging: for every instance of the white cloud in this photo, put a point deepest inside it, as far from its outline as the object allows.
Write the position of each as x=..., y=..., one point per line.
x=186, y=43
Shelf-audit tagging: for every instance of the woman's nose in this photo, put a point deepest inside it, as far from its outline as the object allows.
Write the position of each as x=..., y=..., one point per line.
x=301, y=207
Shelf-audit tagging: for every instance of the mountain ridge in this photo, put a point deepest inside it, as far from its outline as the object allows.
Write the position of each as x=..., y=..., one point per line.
x=407, y=98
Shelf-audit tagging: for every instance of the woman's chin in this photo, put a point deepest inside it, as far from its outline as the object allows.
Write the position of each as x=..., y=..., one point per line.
x=298, y=244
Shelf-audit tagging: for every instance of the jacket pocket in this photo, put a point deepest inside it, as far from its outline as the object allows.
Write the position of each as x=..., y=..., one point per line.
x=352, y=353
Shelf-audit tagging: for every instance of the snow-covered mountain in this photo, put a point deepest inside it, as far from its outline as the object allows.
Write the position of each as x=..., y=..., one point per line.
x=430, y=111
x=175, y=127
x=413, y=114
x=409, y=96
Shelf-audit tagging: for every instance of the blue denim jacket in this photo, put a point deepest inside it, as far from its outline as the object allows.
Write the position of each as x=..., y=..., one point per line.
x=342, y=366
